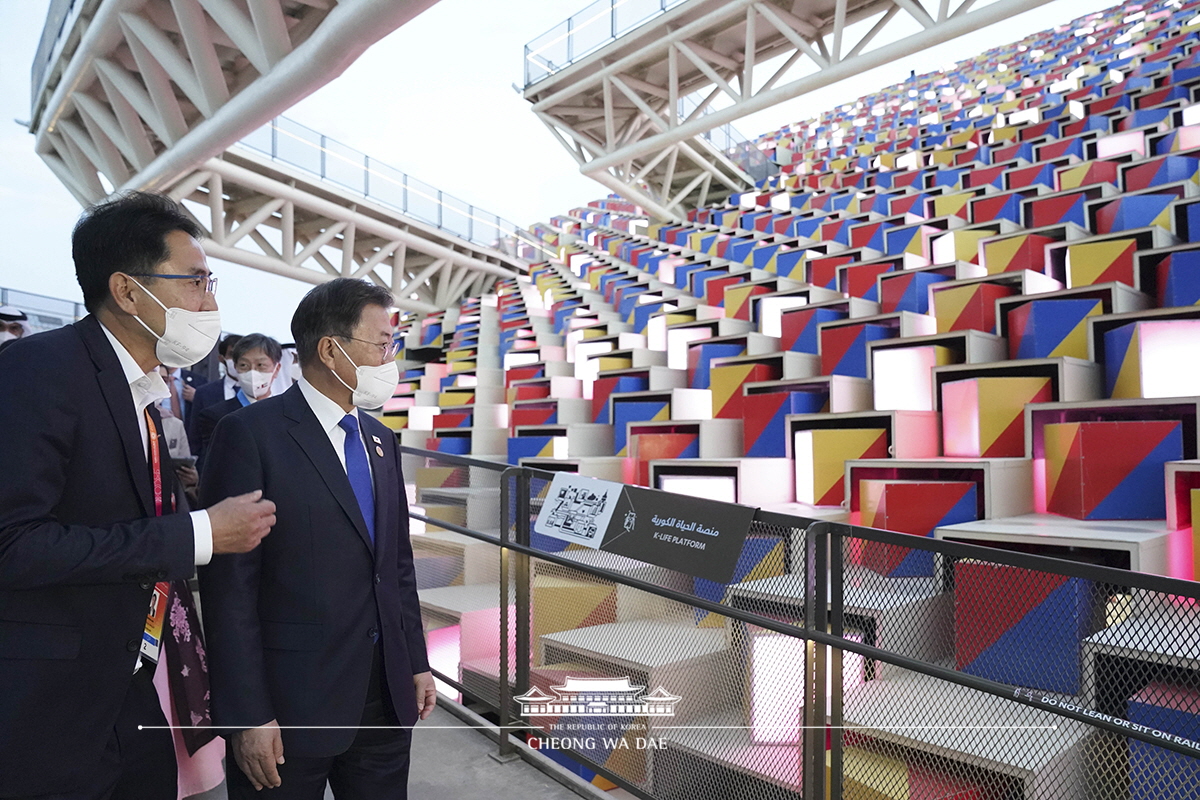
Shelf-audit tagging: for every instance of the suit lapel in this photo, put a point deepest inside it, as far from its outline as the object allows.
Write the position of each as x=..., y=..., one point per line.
x=316, y=445
x=115, y=388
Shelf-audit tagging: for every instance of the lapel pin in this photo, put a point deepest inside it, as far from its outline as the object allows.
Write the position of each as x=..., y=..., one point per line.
x=379, y=451
x=376, y=439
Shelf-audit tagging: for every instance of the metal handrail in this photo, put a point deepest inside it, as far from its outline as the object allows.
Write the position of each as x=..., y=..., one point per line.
x=300, y=146
x=583, y=34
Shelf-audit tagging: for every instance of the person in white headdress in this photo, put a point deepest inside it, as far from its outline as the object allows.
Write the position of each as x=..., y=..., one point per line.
x=14, y=324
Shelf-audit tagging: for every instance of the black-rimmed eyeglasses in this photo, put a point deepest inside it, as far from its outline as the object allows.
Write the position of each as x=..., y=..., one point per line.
x=209, y=282
x=388, y=351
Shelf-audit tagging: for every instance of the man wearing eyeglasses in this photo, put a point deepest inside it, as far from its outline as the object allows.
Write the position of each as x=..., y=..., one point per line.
x=99, y=641
x=315, y=642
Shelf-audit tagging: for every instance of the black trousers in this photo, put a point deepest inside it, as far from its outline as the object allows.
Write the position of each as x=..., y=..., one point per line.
x=137, y=764
x=374, y=768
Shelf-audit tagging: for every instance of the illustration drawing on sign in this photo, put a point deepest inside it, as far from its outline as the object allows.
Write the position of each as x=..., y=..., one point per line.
x=591, y=697
x=578, y=510
x=575, y=511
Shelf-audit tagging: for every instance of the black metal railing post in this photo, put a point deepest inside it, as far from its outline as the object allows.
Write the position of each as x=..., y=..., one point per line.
x=523, y=598
x=837, y=621
x=507, y=750
x=816, y=590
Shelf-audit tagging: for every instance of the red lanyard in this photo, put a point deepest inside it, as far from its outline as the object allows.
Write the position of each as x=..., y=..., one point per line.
x=156, y=466
x=156, y=620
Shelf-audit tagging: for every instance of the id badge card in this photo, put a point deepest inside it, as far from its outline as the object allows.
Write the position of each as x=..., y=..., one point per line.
x=152, y=634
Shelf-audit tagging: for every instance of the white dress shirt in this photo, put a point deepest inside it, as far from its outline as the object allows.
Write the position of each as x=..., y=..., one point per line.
x=146, y=388
x=329, y=414
x=231, y=387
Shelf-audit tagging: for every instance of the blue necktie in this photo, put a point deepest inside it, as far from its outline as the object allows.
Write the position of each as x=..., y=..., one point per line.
x=359, y=472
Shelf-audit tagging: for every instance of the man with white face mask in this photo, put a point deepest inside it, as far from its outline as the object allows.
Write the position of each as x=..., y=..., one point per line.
x=256, y=360
x=96, y=539
x=320, y=631
x=214, y=392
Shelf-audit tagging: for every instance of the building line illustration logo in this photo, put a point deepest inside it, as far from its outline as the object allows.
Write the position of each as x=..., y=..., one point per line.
x=595, y=697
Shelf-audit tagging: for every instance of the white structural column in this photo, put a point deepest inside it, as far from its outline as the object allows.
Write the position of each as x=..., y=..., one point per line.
x=265, y=215
x=143, y=91
x=617, y=111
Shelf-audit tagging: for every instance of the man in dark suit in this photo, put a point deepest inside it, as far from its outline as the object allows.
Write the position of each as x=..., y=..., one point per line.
x=321, y=625
x=88, y=526
x=257, y=358
x=213, y=392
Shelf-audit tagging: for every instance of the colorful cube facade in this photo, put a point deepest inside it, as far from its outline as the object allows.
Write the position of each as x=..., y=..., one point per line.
x=1023, y=627
x=903, y=376
x=1109, y=470
x=916, y=507
x=821, y=457
x=635, y=411
x=1026, y=251
x=844, y=347
x=534, y=447
x=1090, y=263
x=1179, y=277
x=726, y=382
x=968, y=307
x=1051, y=328
x=605, y=387
x=985, y=417
x=700, y=356
x=798, y=328
x=908, y=291
x=1153, y=359
x=646, y=447
x=764, y=423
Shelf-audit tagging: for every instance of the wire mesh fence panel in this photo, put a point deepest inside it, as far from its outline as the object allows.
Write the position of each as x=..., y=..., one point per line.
x=940, y=740
x=458, y=575
x=1064, y=637
x=927, y=669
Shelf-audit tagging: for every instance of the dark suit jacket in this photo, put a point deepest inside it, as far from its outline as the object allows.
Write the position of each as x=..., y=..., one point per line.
x=80, y=550
x=207, y=395
x=290, y=625
x=206, y=422
x=194, y=380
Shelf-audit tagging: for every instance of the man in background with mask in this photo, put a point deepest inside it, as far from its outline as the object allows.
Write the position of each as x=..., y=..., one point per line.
x=96, y=540
x=256, y=359
x=319, y=630
x=214, y=392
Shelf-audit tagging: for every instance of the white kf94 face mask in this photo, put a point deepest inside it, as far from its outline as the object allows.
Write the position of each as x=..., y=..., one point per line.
x=375, y=386
x=255, y=384
x=188, y=336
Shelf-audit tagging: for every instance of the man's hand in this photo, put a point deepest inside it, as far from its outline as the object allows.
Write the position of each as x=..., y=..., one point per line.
x=189, y=392
x=426, y=693
x=240, y=523
x=188, y=476
x=258, y=752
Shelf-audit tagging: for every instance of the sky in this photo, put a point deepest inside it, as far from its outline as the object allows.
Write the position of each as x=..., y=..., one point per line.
x=435, y=99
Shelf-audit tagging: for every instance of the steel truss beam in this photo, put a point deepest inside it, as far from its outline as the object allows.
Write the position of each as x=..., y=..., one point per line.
x=153, y=88
x=262, y=216
x=618, y=111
